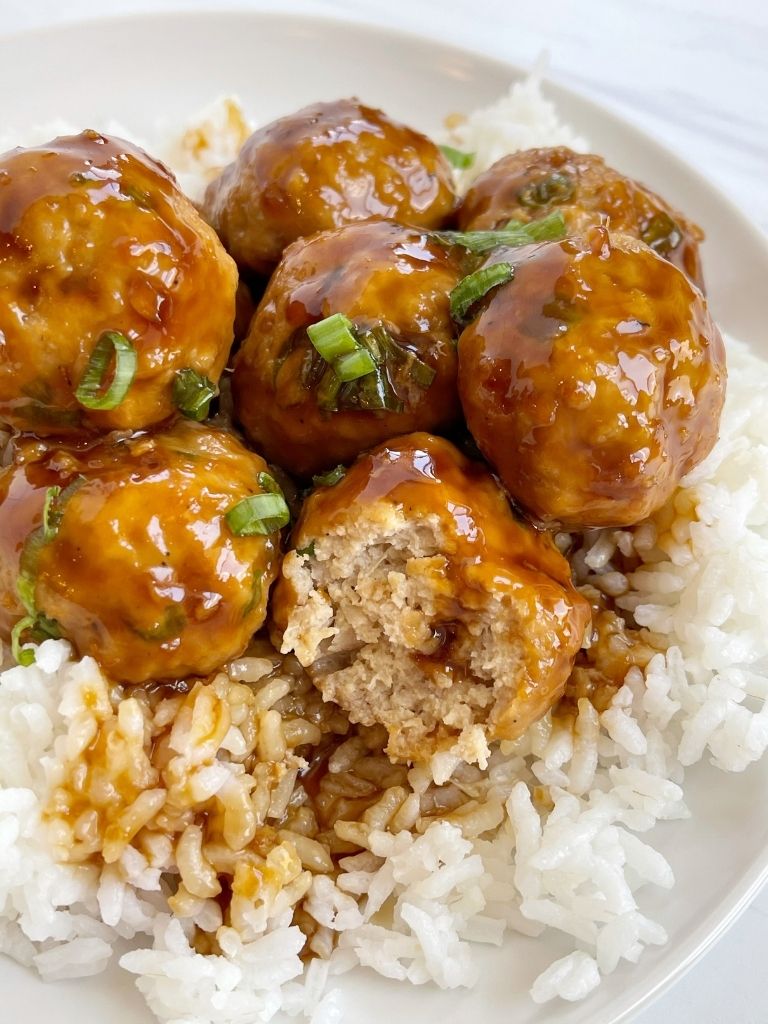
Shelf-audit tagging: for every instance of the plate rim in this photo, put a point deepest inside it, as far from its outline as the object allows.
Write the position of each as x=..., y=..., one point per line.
x=716, y=924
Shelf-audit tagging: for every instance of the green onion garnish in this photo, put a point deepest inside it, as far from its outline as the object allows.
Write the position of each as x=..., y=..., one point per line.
x=472, y=288
x=192, y=393
x=258, y=514
x=49, y=526
x=547, y=229
x=557, y=187
x=41, y=627
x=330, y=478
x=268, y=483
x=354, y=365
x=22, y=655
x=457, y=158
x=333, y=337
x=309, y=550
x=100, y=389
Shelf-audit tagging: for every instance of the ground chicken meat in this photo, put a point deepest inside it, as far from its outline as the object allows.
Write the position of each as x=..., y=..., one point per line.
x=418, y=601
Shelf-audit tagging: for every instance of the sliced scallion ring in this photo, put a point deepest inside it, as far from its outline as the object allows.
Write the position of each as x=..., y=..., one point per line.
x=472, y=288
x=258, y=514
x=330, y=478
x=109, y=372
x=546, y=229
x=50, y=526
x=333, y=337
x=192, y=393
x=457, y=158
x=22, y=655
x=354, y=365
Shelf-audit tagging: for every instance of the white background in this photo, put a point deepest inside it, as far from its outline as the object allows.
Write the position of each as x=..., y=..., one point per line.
x=692, y=72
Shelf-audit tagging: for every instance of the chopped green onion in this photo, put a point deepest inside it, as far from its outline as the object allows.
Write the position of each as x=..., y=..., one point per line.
x=309, y=550
x=354, y=365
x=457, y=158
x=384, y=347
x=170, y=625
x=256, y=592
x=192, y=393
x=547, y=229
x=661, y=234
x=472, y=288
x=41, y=627
x=258, y=514
x=333, y=337
x=268, y=483
x=328, y=391
x=98, y=389
x=22, y=655
x=557, y=187
x=330, y=478
x=376, y=392
x=49, y=527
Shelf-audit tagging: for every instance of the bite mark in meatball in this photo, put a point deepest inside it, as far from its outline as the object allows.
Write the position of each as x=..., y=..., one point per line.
x=418, y=601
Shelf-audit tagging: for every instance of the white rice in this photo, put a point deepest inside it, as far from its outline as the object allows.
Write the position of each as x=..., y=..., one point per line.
x=568, y=803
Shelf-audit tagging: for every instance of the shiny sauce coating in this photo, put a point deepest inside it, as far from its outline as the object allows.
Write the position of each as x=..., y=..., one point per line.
x=593, y=381
x=96, y=236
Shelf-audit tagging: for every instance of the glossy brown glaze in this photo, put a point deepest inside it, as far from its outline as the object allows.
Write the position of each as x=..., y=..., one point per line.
x=534, y=182
x=144, y=572
x=489, y=556
x=594, y=380
x=324, y=166
x=96, y=236
x=377, y=273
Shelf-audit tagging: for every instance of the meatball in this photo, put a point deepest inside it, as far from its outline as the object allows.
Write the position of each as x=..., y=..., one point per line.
x=137, y=561
x=393, y=284
x=593, y=380
x=98, y=246
x=418, y=601
x=324, y=166
x=534, y=182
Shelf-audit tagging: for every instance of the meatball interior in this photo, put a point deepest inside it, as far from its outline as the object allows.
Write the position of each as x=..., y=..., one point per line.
x=381, y=276
x=593, y=380
x=418, y=601
x=142, y=569
x=529, y=184
x=95, y=237
x=324, y=166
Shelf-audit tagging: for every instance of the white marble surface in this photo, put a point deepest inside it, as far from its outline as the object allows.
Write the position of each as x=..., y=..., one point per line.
x=695, y=74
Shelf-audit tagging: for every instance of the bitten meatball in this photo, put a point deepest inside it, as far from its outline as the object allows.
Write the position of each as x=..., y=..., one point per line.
x=529, y=184
x=324, y=166
x=593, y=380
x=139, y=558
x=99, y=250
x=393, y=285
x=418, y=601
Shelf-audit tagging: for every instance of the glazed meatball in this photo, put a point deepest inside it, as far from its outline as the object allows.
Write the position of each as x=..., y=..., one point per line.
x=136, y=560
x=418, y=601
x=97, y=241
x=393, y=284
x=327, y=165
x=529, y=184
x=593, y=380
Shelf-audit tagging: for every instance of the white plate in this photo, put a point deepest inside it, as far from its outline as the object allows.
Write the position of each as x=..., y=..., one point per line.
x=139, y=68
